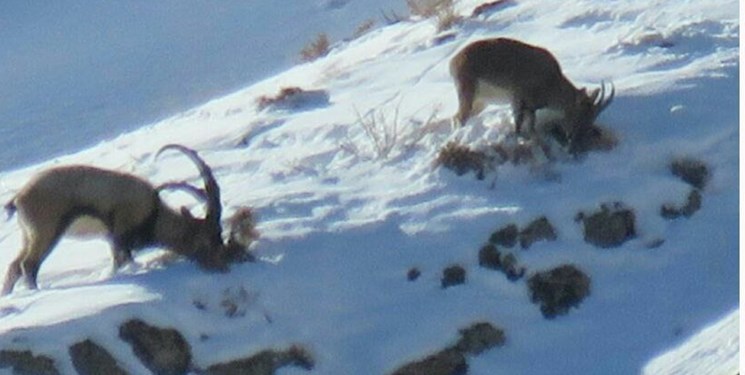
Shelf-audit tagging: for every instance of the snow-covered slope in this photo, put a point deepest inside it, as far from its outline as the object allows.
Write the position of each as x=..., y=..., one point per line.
x=344, y=217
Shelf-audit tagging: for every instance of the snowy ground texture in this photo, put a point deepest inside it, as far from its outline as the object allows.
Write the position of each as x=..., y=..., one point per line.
x=344, y=217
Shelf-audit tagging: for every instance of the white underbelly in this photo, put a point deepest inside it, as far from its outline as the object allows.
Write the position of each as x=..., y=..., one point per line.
x=86, y=226
x=491, y=94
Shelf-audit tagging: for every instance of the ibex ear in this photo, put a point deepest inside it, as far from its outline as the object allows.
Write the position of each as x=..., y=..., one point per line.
x=186, y=213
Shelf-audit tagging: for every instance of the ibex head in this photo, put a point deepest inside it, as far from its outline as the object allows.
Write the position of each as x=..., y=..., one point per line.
x=131, y=211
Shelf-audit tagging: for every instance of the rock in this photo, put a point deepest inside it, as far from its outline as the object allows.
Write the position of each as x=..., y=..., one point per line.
x=507, y=236
x=490, y=257
x=88, y=358
x=558, y=290
x=453, y=275
x=538, y=230
x=511, y=268
x=691, y=171
x=26, y=363
x=452, y=360
x=609, y=227
x=693, y=204
x=266, y=362
x=446, y=362
x=162, y=350
x=479, y=338
x=413, y=274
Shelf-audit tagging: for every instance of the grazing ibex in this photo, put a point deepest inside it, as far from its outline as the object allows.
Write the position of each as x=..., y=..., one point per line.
x=130, y=209
x=529, y=78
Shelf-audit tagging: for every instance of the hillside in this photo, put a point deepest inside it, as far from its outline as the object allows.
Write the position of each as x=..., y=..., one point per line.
x=358, y=222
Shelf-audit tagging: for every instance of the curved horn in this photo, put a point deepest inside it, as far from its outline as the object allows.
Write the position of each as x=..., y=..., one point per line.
x=211, y=189
x=194, y=191
x=603, y=100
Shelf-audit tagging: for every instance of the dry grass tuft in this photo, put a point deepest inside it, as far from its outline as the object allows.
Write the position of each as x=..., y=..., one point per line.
x=317, y=48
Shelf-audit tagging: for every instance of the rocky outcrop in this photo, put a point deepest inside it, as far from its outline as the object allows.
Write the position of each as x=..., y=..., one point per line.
x=453, y=360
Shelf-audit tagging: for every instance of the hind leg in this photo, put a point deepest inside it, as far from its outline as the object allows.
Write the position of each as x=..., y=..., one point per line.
x=39, y=246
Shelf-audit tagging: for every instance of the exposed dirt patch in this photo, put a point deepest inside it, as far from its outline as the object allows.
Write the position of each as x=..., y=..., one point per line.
x=453, y=275
x=26, y=363
x=265, y=363
x=89, y=358
x=162, y=350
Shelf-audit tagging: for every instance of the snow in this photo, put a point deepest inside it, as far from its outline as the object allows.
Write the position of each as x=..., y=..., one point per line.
x=343, y=217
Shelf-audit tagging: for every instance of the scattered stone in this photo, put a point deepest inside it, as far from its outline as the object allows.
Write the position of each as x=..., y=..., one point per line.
x=558, y=290
x=511, y=268
x=539, y=230
x=266, y=362
x=691, y=171
x=413, y=274
x=693, y=204
x=490, y=257
x=446, y=362
x=452, y=360
x=506, y=236
x=89, y=358
x=609, y=227
x=26, y=363
x=453, y=275
x=479, y=338
x=162, y=350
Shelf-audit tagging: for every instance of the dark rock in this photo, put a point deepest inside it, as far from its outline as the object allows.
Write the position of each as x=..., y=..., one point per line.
x=452, y=360
x=266, y=362
x=490, y=257
x=446, y=362
x=693, y=204
x=413, y=274
x=90, y=359
x=507, y=236
x=479, y=337
x=453, y=275
x=609, y=227
x=162, y=350
x=692, y=171
x=558, y=290
x=26, y=363
x=511, y=268
x=538, y=230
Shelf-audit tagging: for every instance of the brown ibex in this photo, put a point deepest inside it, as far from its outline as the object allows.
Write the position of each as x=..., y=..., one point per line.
x=130, y=209
x=530, y=79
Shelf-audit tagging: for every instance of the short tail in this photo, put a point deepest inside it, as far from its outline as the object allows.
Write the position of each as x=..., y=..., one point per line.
x=10, y=208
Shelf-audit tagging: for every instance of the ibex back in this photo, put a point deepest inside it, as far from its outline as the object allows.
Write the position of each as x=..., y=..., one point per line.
x=129, y=208
x=526, y=76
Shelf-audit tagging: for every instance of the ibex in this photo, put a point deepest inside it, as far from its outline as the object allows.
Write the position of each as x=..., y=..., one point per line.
x=130, y=209
x=529, y=78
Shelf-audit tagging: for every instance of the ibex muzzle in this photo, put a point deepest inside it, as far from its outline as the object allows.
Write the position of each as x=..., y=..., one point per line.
x=529, y=78
x=130, y=209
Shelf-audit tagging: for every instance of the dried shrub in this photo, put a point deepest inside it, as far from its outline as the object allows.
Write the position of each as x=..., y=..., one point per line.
x=506, y=236
x=559, y=289
x=242, y=234
x=294, y=98
x=316, y=49
x=363, y=28
x=442, y=10
x=461, y=160
x=491, y=258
